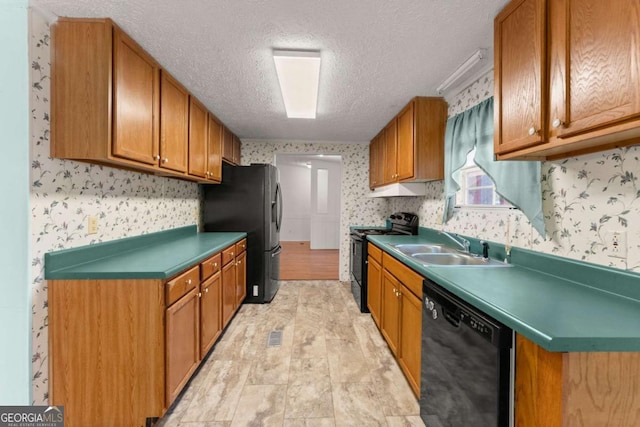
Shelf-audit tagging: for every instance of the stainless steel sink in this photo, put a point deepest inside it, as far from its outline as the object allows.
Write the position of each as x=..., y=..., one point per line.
x=456, y=260
x=410, y=249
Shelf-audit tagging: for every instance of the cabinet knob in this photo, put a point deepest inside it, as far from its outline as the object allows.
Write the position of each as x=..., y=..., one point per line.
x=156, y=157
x=231, y=253
x=557, y=123
x=165, y=160
x=215, y=264
x=199, y=294
x=239, y=262
x=188, y=281
x=532, y=131
x=206, y=291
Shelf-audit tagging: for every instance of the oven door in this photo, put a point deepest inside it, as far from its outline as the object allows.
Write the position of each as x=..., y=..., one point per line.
x=356, y=258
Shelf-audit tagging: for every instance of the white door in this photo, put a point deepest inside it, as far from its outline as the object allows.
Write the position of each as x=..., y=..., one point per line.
x=325, y=203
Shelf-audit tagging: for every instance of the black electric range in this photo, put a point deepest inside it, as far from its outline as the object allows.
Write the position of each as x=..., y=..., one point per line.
x=402, y=223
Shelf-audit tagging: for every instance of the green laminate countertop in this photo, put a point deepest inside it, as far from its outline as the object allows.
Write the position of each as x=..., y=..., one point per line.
x=560, y=304
x=151, y=256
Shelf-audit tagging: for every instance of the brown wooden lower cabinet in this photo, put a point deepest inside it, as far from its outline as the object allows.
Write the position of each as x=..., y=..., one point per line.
x=401, y=317
x=390, y=311
x=594, y=389
x=374, y=289
x=410, y=353
x=241, y=278
x=182, y=342
x=210, y=313
x=122, y=350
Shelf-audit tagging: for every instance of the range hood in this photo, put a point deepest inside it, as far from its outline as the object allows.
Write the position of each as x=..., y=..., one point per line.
x=400, y=190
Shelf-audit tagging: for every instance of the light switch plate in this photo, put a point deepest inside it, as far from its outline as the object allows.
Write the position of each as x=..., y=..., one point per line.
x=92, y=227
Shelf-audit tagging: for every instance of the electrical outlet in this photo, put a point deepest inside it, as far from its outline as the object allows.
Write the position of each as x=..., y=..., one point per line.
x=617, y=244
x=92, y=227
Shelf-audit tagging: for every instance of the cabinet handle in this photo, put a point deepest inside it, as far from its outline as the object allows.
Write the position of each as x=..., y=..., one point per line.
x=188, y=281
x=199, y=294
x=165, y=160
x=532, y=131
x=156, y=157
x=557, y=123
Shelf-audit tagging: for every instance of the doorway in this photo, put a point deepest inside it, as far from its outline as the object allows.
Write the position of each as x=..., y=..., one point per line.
x=310, y=233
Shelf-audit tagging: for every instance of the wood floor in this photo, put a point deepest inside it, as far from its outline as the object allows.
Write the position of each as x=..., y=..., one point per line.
x=299, y=262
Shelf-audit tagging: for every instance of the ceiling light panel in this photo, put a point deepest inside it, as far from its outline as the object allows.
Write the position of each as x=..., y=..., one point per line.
x=299, y=75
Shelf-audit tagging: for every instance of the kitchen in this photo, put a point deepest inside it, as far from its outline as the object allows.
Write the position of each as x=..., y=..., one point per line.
x=583, y=198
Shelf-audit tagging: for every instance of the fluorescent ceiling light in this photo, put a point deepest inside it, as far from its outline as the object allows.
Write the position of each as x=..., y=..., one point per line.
x=299, y=76
x=468, y=65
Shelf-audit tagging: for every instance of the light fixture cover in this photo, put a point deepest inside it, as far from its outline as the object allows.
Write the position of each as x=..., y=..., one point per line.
x=475, y=59
x=299, y=76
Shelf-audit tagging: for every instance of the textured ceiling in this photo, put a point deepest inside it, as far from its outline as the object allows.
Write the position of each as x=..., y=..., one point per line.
x=376, y=54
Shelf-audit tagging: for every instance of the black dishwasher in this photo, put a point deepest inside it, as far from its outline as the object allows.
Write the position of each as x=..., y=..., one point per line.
x=466, y=359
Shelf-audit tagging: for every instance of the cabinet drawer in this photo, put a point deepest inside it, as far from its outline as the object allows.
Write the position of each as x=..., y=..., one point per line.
x=375, y=252
x=210, y=266
x=178, y=286
x=408, y=277
x=228, y=254
x=241, y=246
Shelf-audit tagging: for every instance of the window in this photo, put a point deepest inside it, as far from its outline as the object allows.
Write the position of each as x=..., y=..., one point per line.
x=476, y=188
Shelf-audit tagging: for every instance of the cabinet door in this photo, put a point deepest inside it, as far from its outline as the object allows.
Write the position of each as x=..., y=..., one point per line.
x=373, y=162
x=174, y=119
x=410, y=338
x=227, y=144
x=374, y=283
x=520, y=75
x=183, y=347
x=228, y=291
x=390, y=310
x=600, y=64
x=135, y=102
x=237, y=150
x=210, y=312
x=241, y=278
x=198, y=134
x=406, y=138
x=214, y=151
x=390, y=153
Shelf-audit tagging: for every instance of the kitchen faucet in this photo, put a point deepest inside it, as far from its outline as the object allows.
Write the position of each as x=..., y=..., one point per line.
x=458, y=240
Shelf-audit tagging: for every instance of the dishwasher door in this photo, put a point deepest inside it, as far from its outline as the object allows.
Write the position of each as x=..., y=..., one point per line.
x=465, y=364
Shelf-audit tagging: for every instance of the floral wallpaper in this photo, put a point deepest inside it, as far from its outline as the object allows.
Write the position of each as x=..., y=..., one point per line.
x=584, y=199
x=65, y=193
x=356, y=208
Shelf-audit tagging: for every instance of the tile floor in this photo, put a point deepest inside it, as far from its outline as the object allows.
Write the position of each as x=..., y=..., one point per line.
x=333, y=368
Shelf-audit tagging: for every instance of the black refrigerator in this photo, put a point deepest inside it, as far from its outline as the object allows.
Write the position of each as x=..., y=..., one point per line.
x=249, y=199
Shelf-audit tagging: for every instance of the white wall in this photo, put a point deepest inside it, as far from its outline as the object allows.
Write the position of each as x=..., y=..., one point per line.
x=15, y=303
x=295, y=181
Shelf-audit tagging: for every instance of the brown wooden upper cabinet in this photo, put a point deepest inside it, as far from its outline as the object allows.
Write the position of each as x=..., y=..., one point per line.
x=565, y=78
x=198, y=138
x=411, y=146
x=230, y=147
x=214, y=150
x=94, y=63
x=112, y=104
x=174, y=124
x=376, y=156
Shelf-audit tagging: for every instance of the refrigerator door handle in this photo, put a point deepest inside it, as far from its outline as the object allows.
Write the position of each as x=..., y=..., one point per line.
x=277, y=252
x=278, y=207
